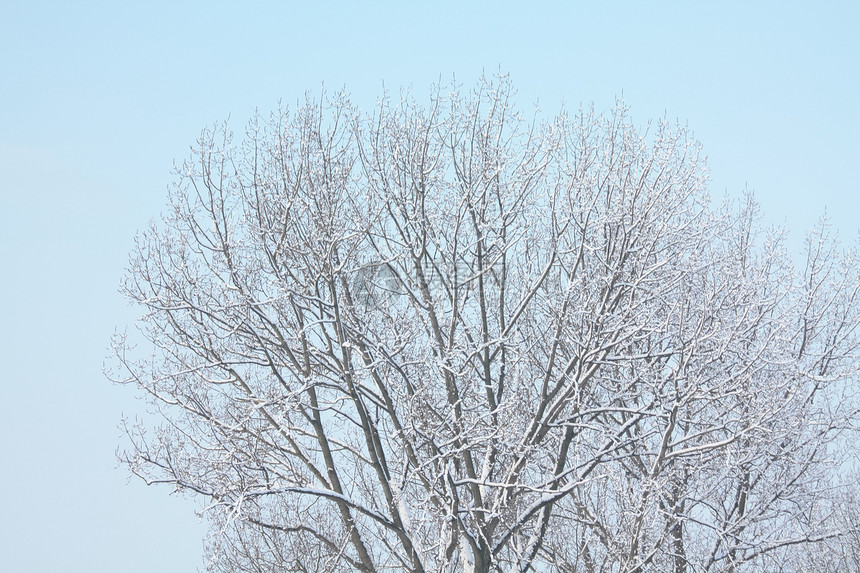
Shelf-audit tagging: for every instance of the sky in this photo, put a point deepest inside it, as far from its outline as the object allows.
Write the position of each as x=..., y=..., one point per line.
x=98, y=100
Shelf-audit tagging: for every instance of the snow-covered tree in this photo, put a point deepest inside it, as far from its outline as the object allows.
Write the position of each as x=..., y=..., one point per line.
x=450, y=338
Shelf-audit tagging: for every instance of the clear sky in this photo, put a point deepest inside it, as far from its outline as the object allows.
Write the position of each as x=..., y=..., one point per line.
x=97, y=100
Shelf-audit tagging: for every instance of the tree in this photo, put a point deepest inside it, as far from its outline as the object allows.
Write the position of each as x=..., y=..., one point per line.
x=450, y=338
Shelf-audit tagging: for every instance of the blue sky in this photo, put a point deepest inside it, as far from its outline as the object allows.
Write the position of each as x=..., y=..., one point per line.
x=97, y=100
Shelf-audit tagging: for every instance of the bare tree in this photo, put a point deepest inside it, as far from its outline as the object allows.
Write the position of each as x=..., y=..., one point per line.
x=449, y=338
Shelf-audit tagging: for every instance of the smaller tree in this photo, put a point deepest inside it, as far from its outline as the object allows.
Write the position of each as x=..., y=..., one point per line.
x=445, y=338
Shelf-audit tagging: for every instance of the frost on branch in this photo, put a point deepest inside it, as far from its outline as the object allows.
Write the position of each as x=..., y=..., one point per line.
x=450, y=338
